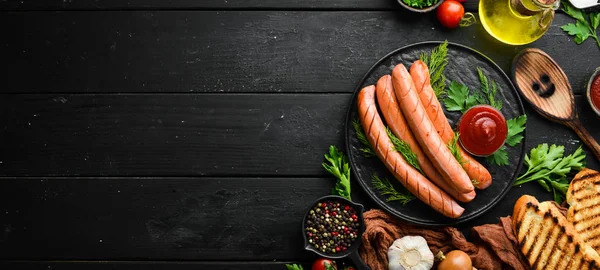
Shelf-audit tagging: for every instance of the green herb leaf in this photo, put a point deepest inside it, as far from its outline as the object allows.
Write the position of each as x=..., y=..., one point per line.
x=595, y=19
x=294, y=267
x=458, y=98
x=338, y=167
x=420, y=3
x=499, y=157
x=404, y=149
x=387, y=189
x=577, y=14
x=367, y=150
x=454, y=149
x=544, y=185
x=489, y=92
x=436, y=62
x=515, y=128
x=581, y=29
x=548, y=166
x=559, y=188
x=329, y=266
x=578, y=29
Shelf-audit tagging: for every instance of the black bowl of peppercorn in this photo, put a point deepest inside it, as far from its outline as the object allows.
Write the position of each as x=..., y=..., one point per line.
x=333, y=227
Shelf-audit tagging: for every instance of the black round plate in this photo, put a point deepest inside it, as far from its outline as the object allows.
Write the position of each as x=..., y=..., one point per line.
x=462, y=67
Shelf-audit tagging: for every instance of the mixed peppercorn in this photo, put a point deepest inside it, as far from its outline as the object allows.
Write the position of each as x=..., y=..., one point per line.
x=331, y=226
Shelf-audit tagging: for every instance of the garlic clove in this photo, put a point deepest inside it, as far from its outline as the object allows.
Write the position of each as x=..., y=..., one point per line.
x=410, y=253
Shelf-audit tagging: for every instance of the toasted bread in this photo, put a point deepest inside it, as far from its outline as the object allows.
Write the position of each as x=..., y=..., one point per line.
x=583, y=197
x=547, y=239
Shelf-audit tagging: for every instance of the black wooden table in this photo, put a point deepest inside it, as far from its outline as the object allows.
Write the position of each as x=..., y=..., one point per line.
x=190, y=134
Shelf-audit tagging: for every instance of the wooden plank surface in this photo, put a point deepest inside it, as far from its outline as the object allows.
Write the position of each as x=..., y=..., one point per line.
x=156, y=218
x=169, y=134
x=470, y=5
x=141, y=265
x=233, y=51
x=186, y=135
x=203, y=165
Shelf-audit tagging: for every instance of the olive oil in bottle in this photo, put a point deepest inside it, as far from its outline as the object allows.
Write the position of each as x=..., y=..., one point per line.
x=517, y=22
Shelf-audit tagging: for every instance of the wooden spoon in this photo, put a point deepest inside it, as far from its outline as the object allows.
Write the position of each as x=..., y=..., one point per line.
x=546, y=87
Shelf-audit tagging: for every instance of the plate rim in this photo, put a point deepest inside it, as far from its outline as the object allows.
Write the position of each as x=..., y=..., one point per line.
x=380, y=202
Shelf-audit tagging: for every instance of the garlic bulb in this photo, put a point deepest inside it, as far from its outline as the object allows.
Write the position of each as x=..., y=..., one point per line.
x=410, y=253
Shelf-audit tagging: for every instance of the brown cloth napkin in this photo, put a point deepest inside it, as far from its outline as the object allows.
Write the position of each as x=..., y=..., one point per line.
x=494, y=246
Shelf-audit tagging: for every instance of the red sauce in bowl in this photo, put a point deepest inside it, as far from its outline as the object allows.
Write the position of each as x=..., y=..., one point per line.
x=482, y=130
x=595, y=92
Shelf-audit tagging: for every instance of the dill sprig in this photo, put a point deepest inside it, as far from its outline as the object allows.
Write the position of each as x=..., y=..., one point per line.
x=386, y=188
x=453, y=146
x=436, y=62
x=489, y=93
x=403, y=148
x=360, y=135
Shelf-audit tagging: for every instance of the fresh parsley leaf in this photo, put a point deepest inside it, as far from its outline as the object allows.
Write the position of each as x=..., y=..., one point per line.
x=578, y=29
x=499, y=157
x=470, y=102
x=294, y=267
x=581, y=29
x=515, y=128
x=573, y=11
x=548, y=166
x=559, y=189
x=458, y=98
x=489, y=92
x=544, y=185
x=595, y=19
x=575, y=161
x=367, y=150
x=436, y=62
x=329, y=266
x=404, y=149
x=338, y=167
x=387, y=189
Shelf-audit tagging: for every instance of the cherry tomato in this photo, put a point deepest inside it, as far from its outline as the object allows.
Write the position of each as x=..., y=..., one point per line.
x=319, y=264
x=450, y=12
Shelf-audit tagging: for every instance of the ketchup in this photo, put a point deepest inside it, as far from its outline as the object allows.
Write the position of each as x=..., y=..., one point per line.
x=595, y=92
x=482, y=130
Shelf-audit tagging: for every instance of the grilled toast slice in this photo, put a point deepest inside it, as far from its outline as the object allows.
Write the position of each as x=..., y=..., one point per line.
x=583, y=197
x=547, y=239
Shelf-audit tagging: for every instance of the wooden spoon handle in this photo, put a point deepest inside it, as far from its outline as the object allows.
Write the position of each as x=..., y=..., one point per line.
x=586, y=137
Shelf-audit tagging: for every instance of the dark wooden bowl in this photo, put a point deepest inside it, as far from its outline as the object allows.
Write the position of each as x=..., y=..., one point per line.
x=421, y=10
x=352, y=251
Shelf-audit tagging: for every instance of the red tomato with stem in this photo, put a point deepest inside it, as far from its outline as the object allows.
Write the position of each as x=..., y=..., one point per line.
x=320, y=264
x=450, y=12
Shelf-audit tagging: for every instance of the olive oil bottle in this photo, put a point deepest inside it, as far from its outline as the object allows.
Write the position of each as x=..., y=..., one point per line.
x=517, y=22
